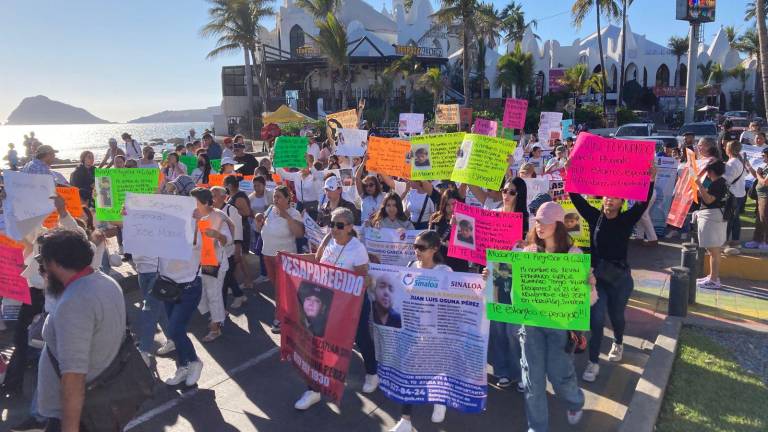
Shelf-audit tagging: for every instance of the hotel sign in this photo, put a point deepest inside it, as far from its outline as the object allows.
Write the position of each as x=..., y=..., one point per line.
x=418, y=51
x=307, y=51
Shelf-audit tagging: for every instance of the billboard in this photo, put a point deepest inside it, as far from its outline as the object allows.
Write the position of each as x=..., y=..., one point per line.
x=554, y=80
x=702, y=11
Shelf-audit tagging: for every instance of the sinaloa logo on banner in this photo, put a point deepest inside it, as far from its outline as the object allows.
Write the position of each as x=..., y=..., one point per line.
x=413, y=281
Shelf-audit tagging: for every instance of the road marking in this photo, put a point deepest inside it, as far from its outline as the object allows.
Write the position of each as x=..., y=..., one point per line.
x=154, y=412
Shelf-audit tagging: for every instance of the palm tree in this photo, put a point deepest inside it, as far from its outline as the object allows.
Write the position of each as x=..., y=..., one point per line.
x=410, y=68
x=433, y=82
x=318, y=8
x=749, y=44
x=515, y=70
x=625, y=4
x=717, y=74
x=486, y=23
x=458, y=14
x=731, y=35
x=575, y=79
x=595, y=83
x=705, y=69
x=236, y=24
x=760, y=13
x=679, y=47
x=382, y=89
x=513, y=23
x=580, y=10
x=751, y=11
x=740, y=73
x=331, y=40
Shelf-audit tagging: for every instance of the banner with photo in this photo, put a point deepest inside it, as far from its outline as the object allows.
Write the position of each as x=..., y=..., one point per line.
x=410, y=124
x=482, y=161
x=433, y=156
x=318, y=310
x=431, y=336
x=665, y=190
x=390, y=246
x=351, y=142
x=577, y=227
x=550, y=129
x=477, y=229
x=113, y=183
x=447, y=114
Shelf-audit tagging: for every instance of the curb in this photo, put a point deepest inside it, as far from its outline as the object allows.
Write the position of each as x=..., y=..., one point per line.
x=644, y=408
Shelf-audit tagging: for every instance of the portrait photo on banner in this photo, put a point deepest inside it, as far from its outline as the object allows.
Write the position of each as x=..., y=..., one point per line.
x=314, y=304
x=388, y=294
x=465, y=234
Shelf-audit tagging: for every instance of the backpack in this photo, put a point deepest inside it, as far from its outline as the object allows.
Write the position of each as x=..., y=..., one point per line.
x=729, y=209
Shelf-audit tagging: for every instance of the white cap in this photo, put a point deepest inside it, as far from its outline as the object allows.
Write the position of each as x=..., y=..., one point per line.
x=228, y=160
x=331, y=183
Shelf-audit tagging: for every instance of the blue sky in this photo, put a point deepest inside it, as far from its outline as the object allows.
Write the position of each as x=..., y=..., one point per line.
x=124, y=59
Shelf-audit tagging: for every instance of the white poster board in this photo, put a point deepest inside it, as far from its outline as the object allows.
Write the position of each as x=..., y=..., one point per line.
x=159, y=225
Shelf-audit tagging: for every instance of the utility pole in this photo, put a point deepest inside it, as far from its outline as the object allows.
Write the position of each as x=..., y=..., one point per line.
x=690, y=81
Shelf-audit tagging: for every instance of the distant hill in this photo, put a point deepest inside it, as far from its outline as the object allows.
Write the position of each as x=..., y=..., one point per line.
x=39, y=110
x=182, y=116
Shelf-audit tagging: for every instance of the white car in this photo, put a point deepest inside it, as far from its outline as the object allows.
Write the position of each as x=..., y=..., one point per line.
x=635, y=130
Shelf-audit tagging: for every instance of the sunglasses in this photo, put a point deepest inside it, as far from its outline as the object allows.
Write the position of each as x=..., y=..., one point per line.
x=420, y=247
x=509, y=191
x=338, y=225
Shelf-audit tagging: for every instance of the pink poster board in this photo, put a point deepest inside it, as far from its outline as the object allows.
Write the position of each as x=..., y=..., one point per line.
x=12, y=285
x=514, y=113
x=477, y=229
x=610, y=167
x=485, y=127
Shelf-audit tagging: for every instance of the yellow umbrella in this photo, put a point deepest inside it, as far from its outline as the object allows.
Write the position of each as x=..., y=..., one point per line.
x=285, y=114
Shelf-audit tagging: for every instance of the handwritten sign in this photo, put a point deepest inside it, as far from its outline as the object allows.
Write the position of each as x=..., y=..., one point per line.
x=290, y=151
x=411, y=124
x=577, y=227
x=351, y=142
x=113, y=183
x=434, y=155
x=72, y=202
x=12, y=284
x=482, y=161
x=549, y=128
x=158, y=225
x=514, y=113
x=447, y=114
x=190, y=163
x=207, y=248
x=389, y=156
x=477, y=229
x=547, y=290
x=29, y=194
x=342, y=119
x=485, y=127
x=610, y=167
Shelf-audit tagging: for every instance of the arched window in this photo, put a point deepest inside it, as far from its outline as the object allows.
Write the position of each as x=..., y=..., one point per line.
x=631, y=73
x=662, y=76
x=645, y=77
x=296, y=39
x=614, y=78
x=683, y=78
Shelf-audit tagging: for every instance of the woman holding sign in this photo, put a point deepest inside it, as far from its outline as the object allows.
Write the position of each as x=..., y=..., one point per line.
x=711, y=220
x=428, y=256
x=610, y=229
x=172, y=168
x=341, y=248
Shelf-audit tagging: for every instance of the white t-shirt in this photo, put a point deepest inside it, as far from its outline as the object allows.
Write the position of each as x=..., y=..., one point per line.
x=197, y=175
x=735, y=174
x=348, y=256
x=314, y=150
x=307, y=188
x=276, y=234
x=260, y=204
x=437, y=267
x=132, y=150
x=414, y=202
x=370, y=205
x=747, y=137
x=237, y=221
x=538, y=164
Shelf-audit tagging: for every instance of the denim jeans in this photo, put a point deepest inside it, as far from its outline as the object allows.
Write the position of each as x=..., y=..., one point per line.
x=613, y=297
x=152, y=313
x=504, y=350
x=364, y=340
x=734, y=223
x=544, y=358
x=179, y=315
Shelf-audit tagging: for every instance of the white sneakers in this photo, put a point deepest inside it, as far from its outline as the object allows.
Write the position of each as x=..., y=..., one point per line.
x=403, y=426
x=574, y=417
x=617, y=351
x=371, y=383
x=438, y=413
x=167, y=348
x=308, y=399
x=238, y=302
x=260, y=280
x=591, y=372
x=189, y=374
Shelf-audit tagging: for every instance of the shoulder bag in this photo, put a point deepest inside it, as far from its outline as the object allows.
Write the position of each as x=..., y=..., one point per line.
x=419, y=225
x=115, y=396
x=167, y=289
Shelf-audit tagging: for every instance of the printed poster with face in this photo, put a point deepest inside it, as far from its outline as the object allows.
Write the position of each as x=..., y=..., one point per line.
x=411, y=124
x=351, y=142
x=438, y=319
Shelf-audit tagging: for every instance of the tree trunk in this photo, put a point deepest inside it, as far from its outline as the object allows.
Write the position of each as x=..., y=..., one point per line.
x=344, y=91
x=602, y=59
x=249, y=90
x=743, y=92
x=678, y=78
x=413, y=95
x=623, y=48
x=332, y=90
x=465, y=60
x=763, y=38
x=261, y=76
x=758, y=84
x=386, y=110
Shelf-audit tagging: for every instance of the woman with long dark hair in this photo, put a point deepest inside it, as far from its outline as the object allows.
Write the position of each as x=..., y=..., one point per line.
x=203, y=170
x=391, y=214
x=84, y=178
x=370, y=192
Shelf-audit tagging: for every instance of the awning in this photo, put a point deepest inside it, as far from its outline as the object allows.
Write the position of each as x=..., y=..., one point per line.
x=285, y=114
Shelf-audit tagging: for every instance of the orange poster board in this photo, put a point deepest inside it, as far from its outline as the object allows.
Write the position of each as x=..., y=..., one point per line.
x=691, y=156
x=7, y=241
x=72, y=201
x=389, y=156
x=208, y=249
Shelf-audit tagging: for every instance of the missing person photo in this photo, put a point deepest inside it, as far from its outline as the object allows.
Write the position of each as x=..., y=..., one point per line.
x=384, y=311
x=421, y=157
x=346, y=176
x=462, y=155
x=314, y=306
x=465, y=232
x=502, y=283
x=104, y=192
x=572, y=222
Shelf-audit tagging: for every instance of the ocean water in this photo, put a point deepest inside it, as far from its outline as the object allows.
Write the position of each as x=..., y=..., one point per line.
x=71, y=140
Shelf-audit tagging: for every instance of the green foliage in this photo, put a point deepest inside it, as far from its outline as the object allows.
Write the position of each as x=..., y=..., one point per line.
x=625, y=115
x=591, y=115
x=515, y=69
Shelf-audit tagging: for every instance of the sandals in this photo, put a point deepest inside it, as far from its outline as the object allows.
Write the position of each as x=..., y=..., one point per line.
x=213, y=334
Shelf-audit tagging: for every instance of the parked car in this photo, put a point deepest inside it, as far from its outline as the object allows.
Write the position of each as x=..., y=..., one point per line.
x=740, y=124
x=736, y=114
x=699, y=129
x=635, y=130
x=660, y=140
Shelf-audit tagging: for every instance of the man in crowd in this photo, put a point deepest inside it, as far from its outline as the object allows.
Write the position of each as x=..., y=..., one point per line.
x=212, y=148
x=248, y=160
x=45, y=155
x=132, y=147
x=82, y=334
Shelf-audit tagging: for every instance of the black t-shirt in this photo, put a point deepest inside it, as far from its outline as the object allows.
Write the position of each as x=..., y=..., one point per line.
x=250, y=163
x=504, y=287
x=717, y=189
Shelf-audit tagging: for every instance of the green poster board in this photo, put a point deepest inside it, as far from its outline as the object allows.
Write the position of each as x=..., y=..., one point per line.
x=190, y=162
x=482, y=161
x=548, y=290
x=216, y=165
x=113, y=183
x=290, y=151
x=433, y=156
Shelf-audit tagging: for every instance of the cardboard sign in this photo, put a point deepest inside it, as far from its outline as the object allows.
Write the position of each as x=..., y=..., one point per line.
x=290, y=152
x=411, y=124
x=447, y=114
x=319, y=309
x=71, y=197
x=610, y=167
x=482, y=161
x=514, y=113
x=113, y=183
x=465, y=118
x=477, y=229
x=543, y=289
x=485, y=127
x=159, y=225
x=28, y=194
x=351, y=142
x=434, y=155
x=207, y=248
x=549, y=129
x=389, y=156
x=342, y=119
